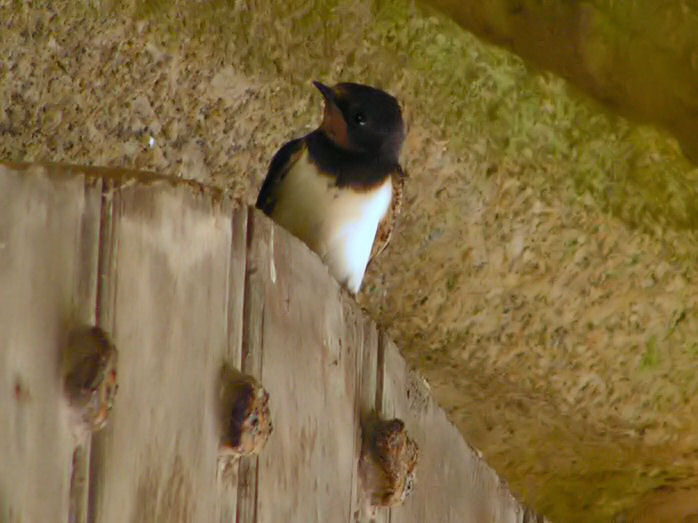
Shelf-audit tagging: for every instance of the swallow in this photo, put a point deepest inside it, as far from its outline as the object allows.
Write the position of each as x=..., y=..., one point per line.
x=339, y=188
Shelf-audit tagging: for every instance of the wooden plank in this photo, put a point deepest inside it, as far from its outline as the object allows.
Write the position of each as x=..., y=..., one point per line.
x=49, y=224
x=366, y=394
x=185, y=284
x=310, y=369
x=166, y=301
x=236, y=300
x=369, y=386
x=228, y=476
x=453, y=483
x=251, y=359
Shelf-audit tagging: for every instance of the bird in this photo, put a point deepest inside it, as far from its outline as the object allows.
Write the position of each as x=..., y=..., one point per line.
x=339, y=188
x=89, y=361
x=388, y=462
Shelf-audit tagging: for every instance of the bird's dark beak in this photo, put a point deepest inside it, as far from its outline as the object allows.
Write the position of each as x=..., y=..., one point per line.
x=327, y=92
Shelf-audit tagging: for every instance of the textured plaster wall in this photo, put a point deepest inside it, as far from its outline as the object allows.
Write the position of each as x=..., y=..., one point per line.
x=542, y=276
x=638, y=56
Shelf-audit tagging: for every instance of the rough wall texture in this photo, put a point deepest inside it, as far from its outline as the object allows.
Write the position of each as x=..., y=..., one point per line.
x=542, y=276
x=639, y=56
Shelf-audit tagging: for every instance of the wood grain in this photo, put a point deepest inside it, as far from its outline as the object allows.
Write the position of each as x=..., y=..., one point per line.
x=184, y=282
x=453, y=483
x=48, y=268
x=310, y=369
x=167, y=303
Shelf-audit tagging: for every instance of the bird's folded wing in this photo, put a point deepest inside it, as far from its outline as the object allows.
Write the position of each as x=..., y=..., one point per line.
x=387, y=225
x=280, y=164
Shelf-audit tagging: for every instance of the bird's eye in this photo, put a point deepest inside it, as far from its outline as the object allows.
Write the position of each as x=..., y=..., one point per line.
x=360, y=118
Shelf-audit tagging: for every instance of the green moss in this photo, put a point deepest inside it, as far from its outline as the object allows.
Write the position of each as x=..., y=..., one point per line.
x=451, y=281
x=650, y=359
x=484, y=99
x=480, y=93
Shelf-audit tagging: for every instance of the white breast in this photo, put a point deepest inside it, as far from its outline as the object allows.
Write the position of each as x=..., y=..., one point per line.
x=338, y=224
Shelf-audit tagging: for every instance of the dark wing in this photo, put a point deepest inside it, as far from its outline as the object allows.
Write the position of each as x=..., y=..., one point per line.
x=386, y=226
x=279, y=166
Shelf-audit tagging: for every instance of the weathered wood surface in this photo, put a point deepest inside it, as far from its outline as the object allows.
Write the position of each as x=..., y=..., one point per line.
x=167, y=309
x=309, y=367
x=48, y=267
x=453, y=483
x=183, y=281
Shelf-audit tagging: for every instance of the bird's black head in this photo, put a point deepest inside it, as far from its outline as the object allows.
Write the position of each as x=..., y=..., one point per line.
x=363, y=119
